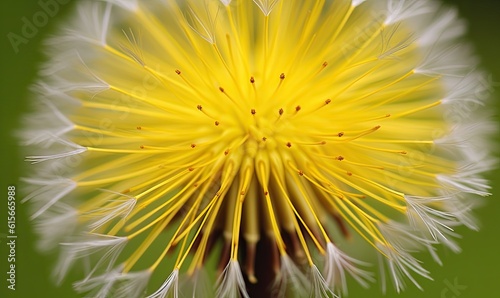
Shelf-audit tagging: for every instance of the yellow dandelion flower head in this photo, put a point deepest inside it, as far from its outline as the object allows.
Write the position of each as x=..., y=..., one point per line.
x=247, y=139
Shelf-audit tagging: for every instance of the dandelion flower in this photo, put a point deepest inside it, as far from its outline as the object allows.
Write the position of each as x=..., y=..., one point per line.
x=171, y=139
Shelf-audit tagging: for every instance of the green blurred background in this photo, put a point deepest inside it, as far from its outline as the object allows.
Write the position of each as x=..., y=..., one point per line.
x=473, y=273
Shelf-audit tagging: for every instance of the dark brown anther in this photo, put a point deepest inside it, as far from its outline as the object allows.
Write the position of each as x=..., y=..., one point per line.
x=340, y=134
x=253, y=111
x=217, y=123
x=281, y=112
x=264, y=139
x=193, y=145
x=301, y=173
x=252, y=80
x=142, y=146
x=328, y=101
x=340, y=158
x=199, y=107
x=191, y=169
x=297, y=108
x=177, y=71
x=325, y=64
x=349, y=174
x=221, y=89
x=250, y=262
x=226, y=152
x=282, y=76
x=289, y=144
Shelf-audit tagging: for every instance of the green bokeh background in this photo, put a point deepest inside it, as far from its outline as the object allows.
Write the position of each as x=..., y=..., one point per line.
x=476, y=270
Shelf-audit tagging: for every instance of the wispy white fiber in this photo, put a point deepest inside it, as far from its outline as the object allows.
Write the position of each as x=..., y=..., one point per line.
x=419, y=212
x=100, y=286
x=93, y=19
x=399, y=10
x=169, y=287
x=231, y=283
x=49, y=125
x=113, y=209
x=443, y=28
x=203, y=20
x=197, y=284
x=132, y=284
x=115, y=283
x=47, y=192
x=266, y=6
x=77, y=149
x=319, y=287
x=356, y=3
x=290, y=278
x=402, y=240
x=338, y=263
x=54, y=224
x=131, y=5
x=89, y=244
